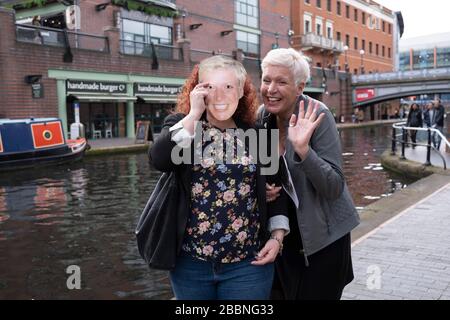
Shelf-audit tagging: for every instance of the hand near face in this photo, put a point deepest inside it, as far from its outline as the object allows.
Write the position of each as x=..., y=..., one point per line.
x=197, y=99
x=301, y=129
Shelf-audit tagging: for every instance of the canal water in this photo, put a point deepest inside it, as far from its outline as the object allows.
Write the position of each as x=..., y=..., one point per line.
x=85, y=214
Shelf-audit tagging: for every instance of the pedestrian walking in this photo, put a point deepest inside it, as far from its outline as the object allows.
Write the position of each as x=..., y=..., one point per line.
x=414, y=120
x=437, y=122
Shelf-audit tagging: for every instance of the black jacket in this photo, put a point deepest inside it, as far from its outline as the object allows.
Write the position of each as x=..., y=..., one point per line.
x=414, y=118
x=160, y=158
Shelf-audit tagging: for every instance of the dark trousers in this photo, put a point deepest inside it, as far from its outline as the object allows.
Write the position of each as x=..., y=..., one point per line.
x=413, y=134
x=329, y=270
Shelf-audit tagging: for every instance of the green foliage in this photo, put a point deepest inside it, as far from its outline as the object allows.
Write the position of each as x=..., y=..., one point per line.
x=146, y=8
x=27, y=4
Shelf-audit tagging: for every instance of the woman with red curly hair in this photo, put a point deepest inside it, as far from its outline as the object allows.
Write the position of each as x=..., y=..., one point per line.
x=230, y=234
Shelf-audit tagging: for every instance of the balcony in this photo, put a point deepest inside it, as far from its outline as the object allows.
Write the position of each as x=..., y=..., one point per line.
x=313, y=41
x=57, y=38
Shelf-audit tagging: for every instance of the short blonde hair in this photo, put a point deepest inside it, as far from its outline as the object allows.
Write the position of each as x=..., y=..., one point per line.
x=291, y=59
x=223, y=62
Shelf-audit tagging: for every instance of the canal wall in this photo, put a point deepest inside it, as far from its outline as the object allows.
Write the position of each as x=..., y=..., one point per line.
x=409, y=168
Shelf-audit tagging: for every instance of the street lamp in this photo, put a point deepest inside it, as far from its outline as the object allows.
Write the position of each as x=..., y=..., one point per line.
x=361, y=52
x=346, y=61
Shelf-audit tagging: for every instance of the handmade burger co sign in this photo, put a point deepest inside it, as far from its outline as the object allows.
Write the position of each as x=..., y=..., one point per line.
x=84, y=86
x=157, y=88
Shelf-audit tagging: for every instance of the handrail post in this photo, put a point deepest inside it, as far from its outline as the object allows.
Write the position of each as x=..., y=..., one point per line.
x=428, y=162
x=403, y=144
x=394, y=141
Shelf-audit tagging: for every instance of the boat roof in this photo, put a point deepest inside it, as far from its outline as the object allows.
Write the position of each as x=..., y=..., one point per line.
x=28, y=120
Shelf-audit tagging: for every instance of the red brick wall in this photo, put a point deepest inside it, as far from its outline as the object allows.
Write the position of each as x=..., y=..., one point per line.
x=344, y=25
x=19, y=59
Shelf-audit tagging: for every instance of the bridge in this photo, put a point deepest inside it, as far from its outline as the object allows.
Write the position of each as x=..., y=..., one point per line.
x=368, y=89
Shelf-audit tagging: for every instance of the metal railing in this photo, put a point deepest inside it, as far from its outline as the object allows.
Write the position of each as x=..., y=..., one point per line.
x=55, y=37
x=404, y=134
x=164, y=52
x=424, y=74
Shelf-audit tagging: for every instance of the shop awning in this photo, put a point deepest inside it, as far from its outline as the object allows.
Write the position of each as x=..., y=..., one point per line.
x=162, y=99
x=103, y=98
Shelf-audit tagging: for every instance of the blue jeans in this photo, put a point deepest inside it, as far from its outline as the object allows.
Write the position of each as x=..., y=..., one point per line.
x=194, y=279
x=437, y=138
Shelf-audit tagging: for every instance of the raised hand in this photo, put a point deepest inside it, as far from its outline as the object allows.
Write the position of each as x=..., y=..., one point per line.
x=197, y=99
x=301, y=129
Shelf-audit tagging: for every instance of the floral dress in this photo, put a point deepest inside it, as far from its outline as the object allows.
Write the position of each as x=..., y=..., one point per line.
x=224, y=222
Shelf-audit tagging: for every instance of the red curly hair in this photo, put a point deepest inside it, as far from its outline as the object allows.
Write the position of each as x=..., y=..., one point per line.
x=247, y=106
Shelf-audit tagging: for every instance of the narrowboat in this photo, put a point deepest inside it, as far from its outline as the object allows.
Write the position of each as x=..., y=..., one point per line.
x=36, y=141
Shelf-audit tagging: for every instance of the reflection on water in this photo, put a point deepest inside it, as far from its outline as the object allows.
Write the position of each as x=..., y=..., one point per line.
x=85, y=215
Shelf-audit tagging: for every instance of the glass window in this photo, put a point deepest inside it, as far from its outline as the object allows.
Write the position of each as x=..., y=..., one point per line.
x=137, y=34
x=355, y=15
x=423, y=59
x=347, y=40
x=131, y=26
x=404, y=61
x=338, y=7
x=307, y=26
x=318, y=4
x=363, y=18
x=248, y=42
x=247, y=12
x=347, y=11
x=338, y=36
x=355, y=44
x=162, y=33
x=329, y=5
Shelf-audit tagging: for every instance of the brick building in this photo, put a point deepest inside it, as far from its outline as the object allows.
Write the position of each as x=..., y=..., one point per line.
x=125, y=60
x=357, y=34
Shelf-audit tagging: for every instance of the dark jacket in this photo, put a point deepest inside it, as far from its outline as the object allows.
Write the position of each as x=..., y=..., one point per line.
x=426, y=118
x=326, y=211
x=439, y=116
x=160, y=158
x=414, y=118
